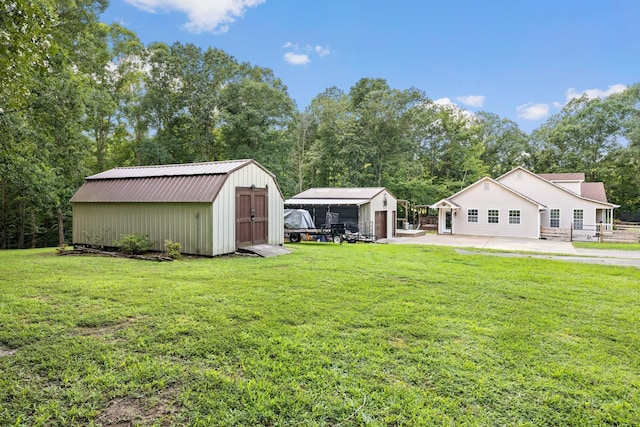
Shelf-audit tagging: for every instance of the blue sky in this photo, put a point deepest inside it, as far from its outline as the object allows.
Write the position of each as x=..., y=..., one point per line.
x=519, y=59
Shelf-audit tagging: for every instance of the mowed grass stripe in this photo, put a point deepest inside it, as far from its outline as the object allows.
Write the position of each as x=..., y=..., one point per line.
x=329, y=335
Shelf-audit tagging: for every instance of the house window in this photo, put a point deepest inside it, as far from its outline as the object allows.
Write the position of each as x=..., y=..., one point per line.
x=493, y=217
x=514, y=217
x=472, y=215
x=578, y=219
x=554, y=218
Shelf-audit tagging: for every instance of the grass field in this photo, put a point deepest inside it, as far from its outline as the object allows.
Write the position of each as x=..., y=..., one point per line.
x=331, y=335
x=614, y=246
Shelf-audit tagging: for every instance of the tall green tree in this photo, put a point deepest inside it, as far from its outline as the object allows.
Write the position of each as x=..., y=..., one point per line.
x=26, y=45
x=44, y=145
x=451, y=146
x=304, y=135
x=161, y=115
x=115, y=81
x=578, y=138
x=506, y=146
x=599, y=137
x=380, y=140
x=256, y=116
x=364, y=138
x=206, y=75
x=330, y=157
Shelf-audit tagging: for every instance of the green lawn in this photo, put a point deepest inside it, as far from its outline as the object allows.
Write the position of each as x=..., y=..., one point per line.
x=614, y=246
x=330, y=335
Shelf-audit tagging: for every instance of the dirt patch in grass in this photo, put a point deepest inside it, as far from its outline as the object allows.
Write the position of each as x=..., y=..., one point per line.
x=7, y=353
x=108, y=329
x=398, y=342
x=128, y=411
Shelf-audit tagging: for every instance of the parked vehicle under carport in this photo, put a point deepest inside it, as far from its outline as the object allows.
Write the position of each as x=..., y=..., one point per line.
x=298, y=222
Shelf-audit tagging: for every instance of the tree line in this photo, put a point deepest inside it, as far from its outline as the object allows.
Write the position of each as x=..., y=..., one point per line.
x=78, y=96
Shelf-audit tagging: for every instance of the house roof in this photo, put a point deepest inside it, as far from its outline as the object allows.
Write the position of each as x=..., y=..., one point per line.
x=194, y=182
x=443, y=203
x=356, y=193
x=593, y=190
x=509, y=189
x=587, y=192
x=578, y=176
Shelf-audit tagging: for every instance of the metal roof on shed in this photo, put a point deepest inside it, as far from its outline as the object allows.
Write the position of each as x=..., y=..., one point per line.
x=209, y=168
x=191, y=182
x=198, y=188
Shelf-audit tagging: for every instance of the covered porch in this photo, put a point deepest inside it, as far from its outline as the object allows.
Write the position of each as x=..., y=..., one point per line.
x=447, y=211
x=604, y=218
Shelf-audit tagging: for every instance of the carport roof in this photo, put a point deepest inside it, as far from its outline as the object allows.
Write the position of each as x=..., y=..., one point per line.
x=353, y=193
x=325, y=202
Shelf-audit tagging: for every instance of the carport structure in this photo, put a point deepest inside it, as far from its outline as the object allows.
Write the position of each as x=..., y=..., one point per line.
x=370, y=211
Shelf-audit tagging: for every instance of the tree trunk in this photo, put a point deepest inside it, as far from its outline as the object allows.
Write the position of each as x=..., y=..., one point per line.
x=3, y=214
x=21, y=214
x=33, y=229
x=60, y=228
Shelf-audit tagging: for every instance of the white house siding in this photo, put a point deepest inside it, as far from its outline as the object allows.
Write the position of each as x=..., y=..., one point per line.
x=553, y=198
x=569, y=185
x=106, y=223
x=224, y=208
x=495, y=197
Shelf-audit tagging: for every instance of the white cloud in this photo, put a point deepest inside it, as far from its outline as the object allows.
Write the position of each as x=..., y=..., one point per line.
x=531, y=111
x=472, y=100
x=572, y=93
x=204, y=15
x=296, y=58
x=322, y=51
x=443, y=101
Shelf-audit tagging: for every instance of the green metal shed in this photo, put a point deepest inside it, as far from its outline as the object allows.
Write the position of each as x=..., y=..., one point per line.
x=210, y=208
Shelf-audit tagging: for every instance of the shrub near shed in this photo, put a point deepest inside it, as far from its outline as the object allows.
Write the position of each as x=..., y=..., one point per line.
x=134, y=244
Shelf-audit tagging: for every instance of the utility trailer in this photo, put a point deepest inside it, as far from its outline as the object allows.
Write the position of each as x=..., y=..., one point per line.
x=337, y=233
x=334, y=232
x=298, y=222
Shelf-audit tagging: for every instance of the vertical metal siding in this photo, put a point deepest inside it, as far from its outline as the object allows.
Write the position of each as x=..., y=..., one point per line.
x=224, y=209
x=105, y=223
x=215, y=235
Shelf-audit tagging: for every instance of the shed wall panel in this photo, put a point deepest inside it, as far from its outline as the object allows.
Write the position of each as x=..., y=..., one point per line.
x=377, y=205
x=105, y=223
x=224, y=209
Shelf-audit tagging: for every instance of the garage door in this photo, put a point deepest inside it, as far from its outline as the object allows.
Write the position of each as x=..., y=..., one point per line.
x=381, y=224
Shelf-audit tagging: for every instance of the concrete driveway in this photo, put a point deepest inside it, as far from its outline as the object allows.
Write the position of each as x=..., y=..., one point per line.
x=550, y=249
